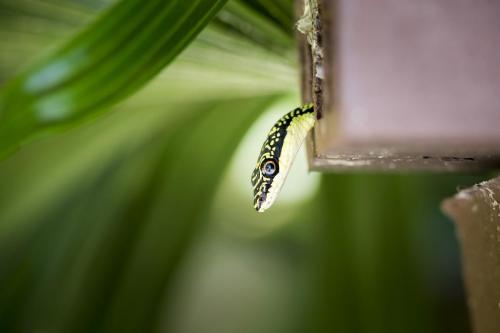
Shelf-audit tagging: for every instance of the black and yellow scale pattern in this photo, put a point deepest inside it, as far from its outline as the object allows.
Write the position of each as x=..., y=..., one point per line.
x=277, y=154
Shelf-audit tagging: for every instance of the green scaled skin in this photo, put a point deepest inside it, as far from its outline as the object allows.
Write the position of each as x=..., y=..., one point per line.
x=278, y=153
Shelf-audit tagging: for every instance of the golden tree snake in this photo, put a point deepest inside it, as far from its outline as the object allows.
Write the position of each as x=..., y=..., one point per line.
x=278, y=153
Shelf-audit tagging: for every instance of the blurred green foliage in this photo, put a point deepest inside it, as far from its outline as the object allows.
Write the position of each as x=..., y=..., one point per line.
x=111, y=58
x=117, y=213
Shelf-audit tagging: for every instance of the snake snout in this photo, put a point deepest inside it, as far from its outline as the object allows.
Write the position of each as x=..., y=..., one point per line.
x=260, y=202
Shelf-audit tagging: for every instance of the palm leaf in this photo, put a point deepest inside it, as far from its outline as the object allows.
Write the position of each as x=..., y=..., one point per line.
x=124, y=48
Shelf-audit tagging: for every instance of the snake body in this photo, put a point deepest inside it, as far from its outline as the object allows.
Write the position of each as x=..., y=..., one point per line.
x=278, y=153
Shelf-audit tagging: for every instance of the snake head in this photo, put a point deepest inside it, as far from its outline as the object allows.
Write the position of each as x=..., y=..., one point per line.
x=277, y=155
x=263, y=183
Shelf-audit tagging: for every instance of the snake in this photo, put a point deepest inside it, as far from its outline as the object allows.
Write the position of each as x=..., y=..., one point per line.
x=278, y=153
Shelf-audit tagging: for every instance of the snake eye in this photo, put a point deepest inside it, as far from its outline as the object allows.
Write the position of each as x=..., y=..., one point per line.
x=269, y=167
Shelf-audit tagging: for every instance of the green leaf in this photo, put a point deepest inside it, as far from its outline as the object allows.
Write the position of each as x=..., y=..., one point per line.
x=122, y=50
x=105, y=260
x=255, y=24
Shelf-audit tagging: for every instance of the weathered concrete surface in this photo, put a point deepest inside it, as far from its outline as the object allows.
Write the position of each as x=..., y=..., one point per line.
x=476, y=213
x=403, y=85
